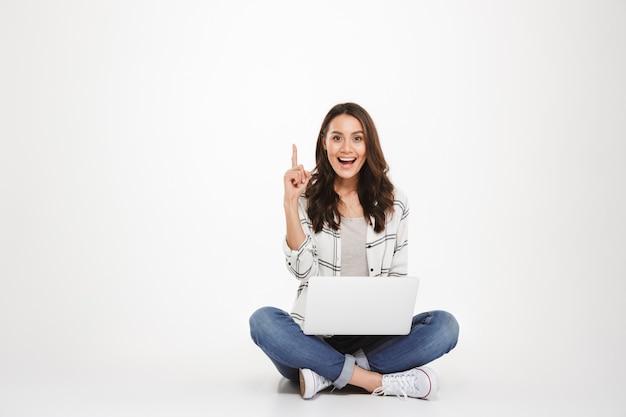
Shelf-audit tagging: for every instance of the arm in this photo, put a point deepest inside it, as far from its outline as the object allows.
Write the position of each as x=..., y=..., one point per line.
x=298, y=245
x=302, y=261
x=400, y=260
x=295, y=182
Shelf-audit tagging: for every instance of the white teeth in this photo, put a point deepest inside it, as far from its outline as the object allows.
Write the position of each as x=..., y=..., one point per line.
x=347, y=159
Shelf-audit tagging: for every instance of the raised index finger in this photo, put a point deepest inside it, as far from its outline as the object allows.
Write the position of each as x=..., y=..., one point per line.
x=294, y=156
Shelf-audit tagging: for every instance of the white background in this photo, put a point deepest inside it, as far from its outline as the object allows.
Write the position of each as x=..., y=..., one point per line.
x=142, y=148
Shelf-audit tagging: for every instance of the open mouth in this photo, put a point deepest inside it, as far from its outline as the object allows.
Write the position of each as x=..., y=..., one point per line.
x=346, y=161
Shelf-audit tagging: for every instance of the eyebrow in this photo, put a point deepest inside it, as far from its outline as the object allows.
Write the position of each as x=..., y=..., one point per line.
x=354, y=133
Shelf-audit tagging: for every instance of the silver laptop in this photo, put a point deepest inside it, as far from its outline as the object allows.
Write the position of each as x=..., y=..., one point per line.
x=360, y=305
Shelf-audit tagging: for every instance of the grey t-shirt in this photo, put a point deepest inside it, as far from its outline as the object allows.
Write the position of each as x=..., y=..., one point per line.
x=353, y=257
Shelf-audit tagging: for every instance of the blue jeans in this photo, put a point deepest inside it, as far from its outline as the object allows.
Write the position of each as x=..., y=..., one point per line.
x=432, y=335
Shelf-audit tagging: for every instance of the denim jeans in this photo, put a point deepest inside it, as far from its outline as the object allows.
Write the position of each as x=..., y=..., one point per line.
x=432, y=335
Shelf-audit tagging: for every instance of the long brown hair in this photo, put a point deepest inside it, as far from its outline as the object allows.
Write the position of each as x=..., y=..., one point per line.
x=374, y=188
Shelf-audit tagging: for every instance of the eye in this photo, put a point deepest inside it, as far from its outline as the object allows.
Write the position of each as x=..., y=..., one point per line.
x=336, y=138
x=357, y=139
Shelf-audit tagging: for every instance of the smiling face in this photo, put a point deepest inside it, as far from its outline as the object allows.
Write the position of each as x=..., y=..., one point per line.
x=344, y=143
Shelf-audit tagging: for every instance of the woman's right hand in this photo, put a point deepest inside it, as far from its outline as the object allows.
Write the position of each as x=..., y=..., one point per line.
x=296, y=178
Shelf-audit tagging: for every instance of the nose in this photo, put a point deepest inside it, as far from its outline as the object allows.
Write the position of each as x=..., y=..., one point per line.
x=346, y=146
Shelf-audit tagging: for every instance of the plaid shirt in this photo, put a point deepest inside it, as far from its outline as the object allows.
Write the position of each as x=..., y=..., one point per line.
x=320, y=253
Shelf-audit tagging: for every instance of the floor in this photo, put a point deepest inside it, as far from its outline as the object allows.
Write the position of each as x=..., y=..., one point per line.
x=144, y=388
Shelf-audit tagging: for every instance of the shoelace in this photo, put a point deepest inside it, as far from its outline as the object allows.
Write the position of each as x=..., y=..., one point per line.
x=401, y=394
x=398, y=387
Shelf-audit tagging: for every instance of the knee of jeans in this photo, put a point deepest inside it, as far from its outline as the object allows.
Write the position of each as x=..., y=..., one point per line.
x=450, y=325
x=260, y=319
x=257, y=318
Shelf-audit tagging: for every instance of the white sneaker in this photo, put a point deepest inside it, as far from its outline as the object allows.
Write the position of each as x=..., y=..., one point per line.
x=419, y=383
x=312, y=383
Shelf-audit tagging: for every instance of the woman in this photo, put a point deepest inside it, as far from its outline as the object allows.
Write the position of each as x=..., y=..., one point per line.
x=346, y=218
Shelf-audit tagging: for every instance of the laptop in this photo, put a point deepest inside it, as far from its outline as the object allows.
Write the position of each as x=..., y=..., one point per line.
x=360, y=305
